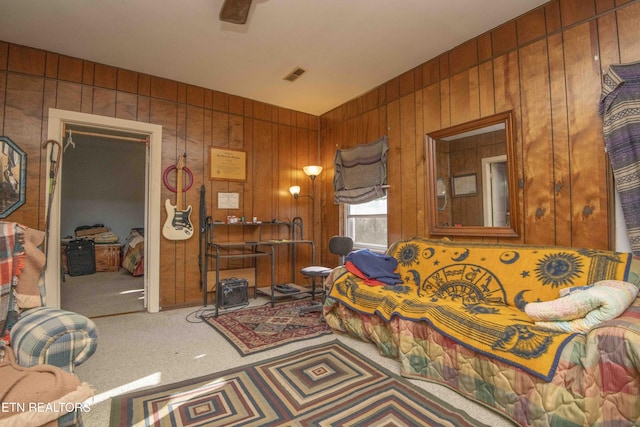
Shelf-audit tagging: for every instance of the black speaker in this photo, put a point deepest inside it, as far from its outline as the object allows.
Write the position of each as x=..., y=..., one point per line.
x=233, y=292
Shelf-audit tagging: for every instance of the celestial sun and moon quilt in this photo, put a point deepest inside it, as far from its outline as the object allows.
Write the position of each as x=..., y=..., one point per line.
x=476, y=293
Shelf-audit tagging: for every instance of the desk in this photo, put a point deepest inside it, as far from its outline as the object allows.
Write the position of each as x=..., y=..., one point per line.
x=254, y=250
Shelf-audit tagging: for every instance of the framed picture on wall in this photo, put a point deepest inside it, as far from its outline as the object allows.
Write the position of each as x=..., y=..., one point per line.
x=464, y=185
x=227, y=164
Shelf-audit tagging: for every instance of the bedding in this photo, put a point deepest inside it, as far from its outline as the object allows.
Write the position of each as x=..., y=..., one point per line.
x=497, y=329
x=433, y=321
x=133, y=252
x=582, y=310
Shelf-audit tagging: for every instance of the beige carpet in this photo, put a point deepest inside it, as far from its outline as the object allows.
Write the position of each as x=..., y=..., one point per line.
x=145, y=350
x=103, y=293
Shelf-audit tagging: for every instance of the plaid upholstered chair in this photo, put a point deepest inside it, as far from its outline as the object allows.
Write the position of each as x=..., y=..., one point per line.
x=39, y=346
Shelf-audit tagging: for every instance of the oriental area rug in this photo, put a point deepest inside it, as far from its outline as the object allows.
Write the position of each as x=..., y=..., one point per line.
x=256, y=329
x=323, y=385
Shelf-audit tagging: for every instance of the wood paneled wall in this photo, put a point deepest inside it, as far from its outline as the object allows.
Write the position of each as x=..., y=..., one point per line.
x=546, y=66
x=278, y=142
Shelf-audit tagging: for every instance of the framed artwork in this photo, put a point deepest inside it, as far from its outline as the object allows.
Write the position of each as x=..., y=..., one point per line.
x=13, y=176
x=227, y=165
x=464, y=185
x=228, y=200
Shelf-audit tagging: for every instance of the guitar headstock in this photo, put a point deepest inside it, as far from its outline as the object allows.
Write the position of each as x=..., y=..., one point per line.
x=181, y=162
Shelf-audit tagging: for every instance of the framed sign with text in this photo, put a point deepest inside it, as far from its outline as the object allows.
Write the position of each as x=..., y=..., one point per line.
x=228, y=200
x=465, y=185
x=228, y=165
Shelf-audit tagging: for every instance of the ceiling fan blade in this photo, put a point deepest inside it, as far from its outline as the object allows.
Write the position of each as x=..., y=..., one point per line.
x=235, y=11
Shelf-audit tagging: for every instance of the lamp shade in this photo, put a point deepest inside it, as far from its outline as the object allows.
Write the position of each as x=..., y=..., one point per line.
x=294, y=190
x=312, y=170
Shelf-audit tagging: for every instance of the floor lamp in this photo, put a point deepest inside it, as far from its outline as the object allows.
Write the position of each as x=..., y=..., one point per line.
x=312, y=172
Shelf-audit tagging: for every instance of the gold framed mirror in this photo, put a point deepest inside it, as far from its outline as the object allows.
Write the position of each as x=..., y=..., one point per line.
x=472, y=179
x=13, y=180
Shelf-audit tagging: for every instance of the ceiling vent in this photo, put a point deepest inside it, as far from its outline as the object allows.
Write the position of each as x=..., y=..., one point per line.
x=297, y=72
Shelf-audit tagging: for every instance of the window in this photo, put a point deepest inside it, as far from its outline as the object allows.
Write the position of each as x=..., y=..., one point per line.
x=366, y=224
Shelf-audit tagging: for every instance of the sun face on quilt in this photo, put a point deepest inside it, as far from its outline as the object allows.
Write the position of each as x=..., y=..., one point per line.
x=465, y=283
x=559, y=269
x=408, y=255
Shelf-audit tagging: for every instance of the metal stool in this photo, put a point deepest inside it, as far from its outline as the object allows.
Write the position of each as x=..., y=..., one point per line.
x=338, y=245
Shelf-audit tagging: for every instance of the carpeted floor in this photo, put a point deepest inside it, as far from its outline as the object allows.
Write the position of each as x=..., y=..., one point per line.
x=255, y=329
x=327, y=384
x=142, y=350
x=103, y=293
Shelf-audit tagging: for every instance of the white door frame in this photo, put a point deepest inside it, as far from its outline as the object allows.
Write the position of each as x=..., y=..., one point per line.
x=487, y=192
x=57, y=119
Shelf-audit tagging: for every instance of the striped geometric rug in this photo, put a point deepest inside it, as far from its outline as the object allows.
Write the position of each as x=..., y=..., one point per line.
x=324, y=385
x=261, y=328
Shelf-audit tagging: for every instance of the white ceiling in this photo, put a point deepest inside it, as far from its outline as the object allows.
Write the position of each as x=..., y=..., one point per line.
x=347, y=47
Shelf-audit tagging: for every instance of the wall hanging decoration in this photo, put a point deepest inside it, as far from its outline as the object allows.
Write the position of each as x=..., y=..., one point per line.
x=13, y=181
x=228, y=200
x=228, y=165
x=464, y=185
x=620, y=111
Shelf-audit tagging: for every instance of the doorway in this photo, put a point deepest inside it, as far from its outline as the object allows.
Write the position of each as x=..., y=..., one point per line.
x=495, y=192
x=102, y=190
x=58, y=121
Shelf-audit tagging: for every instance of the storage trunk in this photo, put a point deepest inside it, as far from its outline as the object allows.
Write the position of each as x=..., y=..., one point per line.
x=107, y=257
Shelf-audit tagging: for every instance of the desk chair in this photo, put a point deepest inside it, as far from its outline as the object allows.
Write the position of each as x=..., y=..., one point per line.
x=338, y=245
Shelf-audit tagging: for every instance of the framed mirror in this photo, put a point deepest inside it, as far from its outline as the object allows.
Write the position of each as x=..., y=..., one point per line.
x=13, y=181
x=472, y=179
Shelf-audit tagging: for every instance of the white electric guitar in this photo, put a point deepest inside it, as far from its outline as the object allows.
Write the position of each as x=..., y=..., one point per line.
x=178, y=224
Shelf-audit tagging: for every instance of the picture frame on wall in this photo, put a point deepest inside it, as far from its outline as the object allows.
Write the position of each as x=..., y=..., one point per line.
x=228, y=200
x=227, y=164
x=464, y=185
x=13, y=163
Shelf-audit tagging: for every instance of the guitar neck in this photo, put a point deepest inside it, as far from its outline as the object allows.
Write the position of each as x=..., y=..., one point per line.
x=179, y=170
x=179, y=190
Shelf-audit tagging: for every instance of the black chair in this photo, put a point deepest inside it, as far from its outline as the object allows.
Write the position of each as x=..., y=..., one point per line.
x=338, y=245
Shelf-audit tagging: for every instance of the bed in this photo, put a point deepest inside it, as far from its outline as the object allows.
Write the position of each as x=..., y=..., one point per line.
x=462, y=317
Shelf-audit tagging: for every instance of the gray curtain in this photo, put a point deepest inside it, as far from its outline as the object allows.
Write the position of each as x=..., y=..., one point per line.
x=361, y=172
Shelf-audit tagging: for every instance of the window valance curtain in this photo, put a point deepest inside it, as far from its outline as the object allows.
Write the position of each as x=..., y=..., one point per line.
x=361, y=172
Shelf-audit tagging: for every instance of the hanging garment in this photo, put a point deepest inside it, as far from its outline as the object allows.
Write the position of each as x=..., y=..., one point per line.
x=620, y=110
